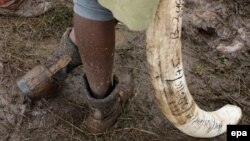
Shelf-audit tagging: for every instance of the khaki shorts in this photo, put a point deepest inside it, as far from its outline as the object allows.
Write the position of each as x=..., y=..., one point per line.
x=136, y=14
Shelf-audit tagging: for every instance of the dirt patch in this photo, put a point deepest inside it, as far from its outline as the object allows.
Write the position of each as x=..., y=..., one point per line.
x=214, y=78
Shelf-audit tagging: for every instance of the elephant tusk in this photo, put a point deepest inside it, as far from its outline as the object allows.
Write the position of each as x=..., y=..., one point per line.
x=167, y=75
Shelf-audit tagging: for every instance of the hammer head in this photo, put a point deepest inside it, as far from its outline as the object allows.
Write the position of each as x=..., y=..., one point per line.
x=37, y=84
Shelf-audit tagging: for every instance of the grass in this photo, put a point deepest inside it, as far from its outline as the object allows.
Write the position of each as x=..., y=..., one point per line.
x=52, y=24
x=23, y=37
x=198, y=69
x=49, y=25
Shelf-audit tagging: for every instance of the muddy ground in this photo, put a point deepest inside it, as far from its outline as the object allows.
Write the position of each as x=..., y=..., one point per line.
x=216, y=75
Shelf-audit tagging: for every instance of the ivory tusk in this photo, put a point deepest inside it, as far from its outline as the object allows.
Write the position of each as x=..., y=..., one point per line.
x=167, y=75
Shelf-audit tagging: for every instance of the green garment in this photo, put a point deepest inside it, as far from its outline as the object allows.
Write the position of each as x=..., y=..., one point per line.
x=136, y=14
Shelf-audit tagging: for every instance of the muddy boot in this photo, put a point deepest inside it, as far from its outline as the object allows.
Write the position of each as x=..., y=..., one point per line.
x=25, y=8
x=44, y=80
x=104, y=112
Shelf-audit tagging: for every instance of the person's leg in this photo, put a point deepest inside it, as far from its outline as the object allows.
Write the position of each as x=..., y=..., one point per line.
x=94, y=27
x=96, y=42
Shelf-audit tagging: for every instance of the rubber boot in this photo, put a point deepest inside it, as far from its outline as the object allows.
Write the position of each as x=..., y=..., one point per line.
x=103, y=113
x=44, y=80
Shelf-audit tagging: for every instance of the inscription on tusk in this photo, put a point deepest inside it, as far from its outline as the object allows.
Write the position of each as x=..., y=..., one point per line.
x=179, y=74
x=174, y=79
x=176, y=20
x=180, y=106
x=210, y=124
x=180, y=88
x=179, y=102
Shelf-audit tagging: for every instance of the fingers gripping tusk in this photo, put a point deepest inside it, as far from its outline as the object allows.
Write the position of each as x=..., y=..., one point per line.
x=167, y=75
